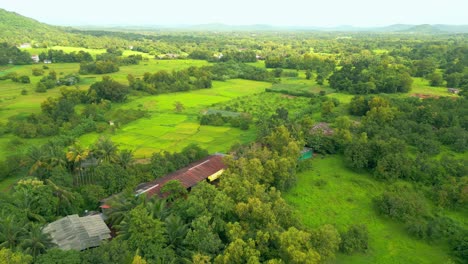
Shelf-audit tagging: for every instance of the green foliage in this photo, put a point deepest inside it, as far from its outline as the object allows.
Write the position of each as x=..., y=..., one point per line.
x=231, y=69
x=164, y=162
x=59, y=256
x=173, y=190
x=435, y=79
x=202, y=237
x=9, y=257
x=218, y=119
x=13, y=55
x=402, y=204
x=326, y=240
x=37, y=71
x=109, y=252
x=356, y=239
x=143, y=232
x=239, y=251
x=364, y=74
x=108, y=89
x=295, y=247
x=58, y=56
x=99, y=67
x=36, y=242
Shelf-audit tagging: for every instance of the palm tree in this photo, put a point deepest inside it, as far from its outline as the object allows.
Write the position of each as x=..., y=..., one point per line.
x=11, y=232
x=64, y=196
x=176, y=231
x=124, y=158
x=35, y=157
x=76, y=154
x=25, y=201
x=120, y=205
x=44, y=159
x=158, y=208
x=105, y=149
x=55, y=156
x=36, y=241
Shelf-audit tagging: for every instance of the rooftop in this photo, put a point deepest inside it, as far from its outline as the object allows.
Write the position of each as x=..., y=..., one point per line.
x=78, y=233
x=188, y=176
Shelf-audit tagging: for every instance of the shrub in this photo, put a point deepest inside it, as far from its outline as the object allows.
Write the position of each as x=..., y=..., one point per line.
x=356, y=239
x=37, y=71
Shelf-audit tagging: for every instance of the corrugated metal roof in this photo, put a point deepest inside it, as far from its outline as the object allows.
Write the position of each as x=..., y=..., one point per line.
x=78, y=233
x=188, y=176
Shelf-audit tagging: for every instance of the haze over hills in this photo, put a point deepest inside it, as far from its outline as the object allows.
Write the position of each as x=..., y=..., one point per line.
x=397, y=28
x=22, y=29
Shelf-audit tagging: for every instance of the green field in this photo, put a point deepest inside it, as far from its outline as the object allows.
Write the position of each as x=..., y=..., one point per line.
x=422, y=87
x=167, y=130
x=330, y=193
x=13, y=103
x=164, y=129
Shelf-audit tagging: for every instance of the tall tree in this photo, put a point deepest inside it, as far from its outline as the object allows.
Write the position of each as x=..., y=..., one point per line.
x=36, y=241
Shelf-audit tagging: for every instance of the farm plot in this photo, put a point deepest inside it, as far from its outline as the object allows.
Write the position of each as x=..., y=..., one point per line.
x=166, y=129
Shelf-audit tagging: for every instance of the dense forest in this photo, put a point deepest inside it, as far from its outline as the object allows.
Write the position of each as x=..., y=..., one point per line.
x=393, y=107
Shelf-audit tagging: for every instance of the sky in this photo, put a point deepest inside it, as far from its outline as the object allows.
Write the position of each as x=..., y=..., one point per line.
x=324, y=13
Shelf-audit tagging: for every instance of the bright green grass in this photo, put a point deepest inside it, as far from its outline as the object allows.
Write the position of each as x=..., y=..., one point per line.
x=166, y=130
x=66, y=49
x=258, y=63
x=421, y=86
x=346, y=199
x=13, y=103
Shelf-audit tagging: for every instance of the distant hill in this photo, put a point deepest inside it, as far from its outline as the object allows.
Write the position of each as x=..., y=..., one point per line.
x=17, y=28
x=422, y=29
x=216, y=27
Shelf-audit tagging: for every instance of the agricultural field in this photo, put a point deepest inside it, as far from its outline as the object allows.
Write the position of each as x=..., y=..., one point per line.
x=13, y=103
x=264, y=104
x=330, y=193
x=166, y=129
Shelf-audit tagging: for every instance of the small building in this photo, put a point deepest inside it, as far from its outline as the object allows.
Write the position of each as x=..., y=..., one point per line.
x=168, y=56
x=35, y=58
x=25, y=45
x=306, y=153
x=78, y=233
x=47, y=61
x=209, y=168
x=453, y=90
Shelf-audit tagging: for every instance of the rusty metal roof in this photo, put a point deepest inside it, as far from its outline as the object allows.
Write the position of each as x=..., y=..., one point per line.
x=188, y=176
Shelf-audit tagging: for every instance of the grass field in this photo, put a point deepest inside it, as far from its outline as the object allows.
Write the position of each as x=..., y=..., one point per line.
x=167, y=130
x=330, y=193
x=422, y=87
x=13, y=103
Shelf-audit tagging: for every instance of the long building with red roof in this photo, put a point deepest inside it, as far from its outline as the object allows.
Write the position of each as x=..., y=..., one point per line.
x=209, y=168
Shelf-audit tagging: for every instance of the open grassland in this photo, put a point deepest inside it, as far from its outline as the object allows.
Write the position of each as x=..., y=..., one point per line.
x=330, y=193
x=422, y=87
x=166, y=129
x=13, y=103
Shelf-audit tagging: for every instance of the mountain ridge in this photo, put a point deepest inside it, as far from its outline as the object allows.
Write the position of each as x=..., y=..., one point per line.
x=18, y=28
